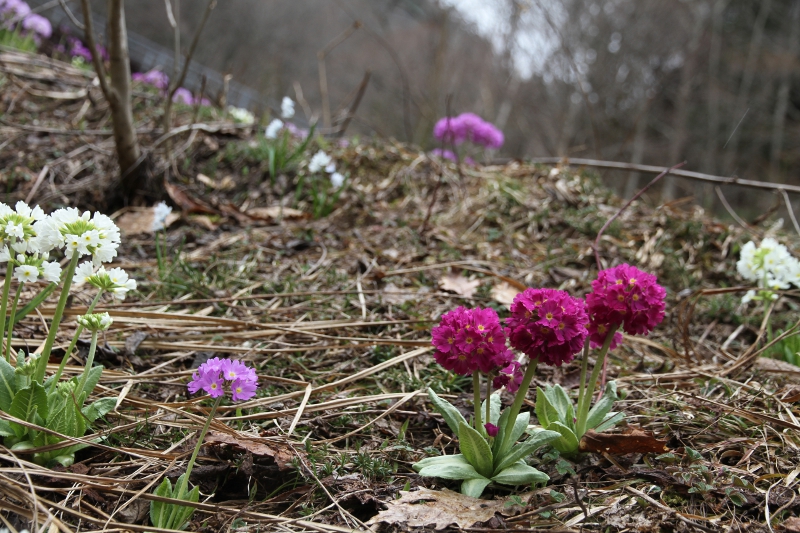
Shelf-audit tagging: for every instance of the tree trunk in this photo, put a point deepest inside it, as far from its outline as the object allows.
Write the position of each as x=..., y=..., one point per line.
x=782, y=100
x=121, y=113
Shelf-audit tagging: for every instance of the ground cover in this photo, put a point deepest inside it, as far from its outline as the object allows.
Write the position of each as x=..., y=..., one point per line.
x=335, y=314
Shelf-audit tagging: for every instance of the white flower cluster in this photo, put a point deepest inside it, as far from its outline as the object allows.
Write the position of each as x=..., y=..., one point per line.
x=287, y=112
x=82, y=234
x=770, y=265
x=240, y=115
x=321, y=161
x=95, y=322
x=160, y=213
x=115, y=280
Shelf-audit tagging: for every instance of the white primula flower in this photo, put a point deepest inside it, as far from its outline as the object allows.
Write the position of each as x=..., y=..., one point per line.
x=26, y=273
x=5, y=255
x=331, y=168
x=15, y=230
x=122, y=291
x=319, y=161
x=273, y=128
x=83, y=273
x=241, y=115
x=104, y=253
x=160, y=213
x=287, y=107
x=771, y=266
x=90, y=238
x=51, y=271
x=337, y=179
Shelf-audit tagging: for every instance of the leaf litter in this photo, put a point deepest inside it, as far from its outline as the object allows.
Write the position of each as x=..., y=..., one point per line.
x=319, y=306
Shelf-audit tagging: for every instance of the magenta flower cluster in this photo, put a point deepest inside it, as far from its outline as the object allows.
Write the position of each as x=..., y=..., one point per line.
x=626, y=296
x=216, y=374
x=467, y=340
x=468, y=127
x=13, y=12
x=548, y=325
x=153, y=77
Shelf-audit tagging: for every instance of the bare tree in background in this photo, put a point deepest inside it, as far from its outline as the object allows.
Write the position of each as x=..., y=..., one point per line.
x=117, y=91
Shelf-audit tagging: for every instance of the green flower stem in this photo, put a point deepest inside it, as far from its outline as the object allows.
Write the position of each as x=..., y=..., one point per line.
x=517, y=405
x=4, y=303
x=178, y=494
x=72, y=344
x=476, y=399
x=583, y=409
x=488, y=399
x=584, y=370
x=89, y=361
x=51, y=337
x=11, y=322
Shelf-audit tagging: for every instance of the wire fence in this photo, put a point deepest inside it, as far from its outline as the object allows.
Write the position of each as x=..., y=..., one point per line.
x=147, y=55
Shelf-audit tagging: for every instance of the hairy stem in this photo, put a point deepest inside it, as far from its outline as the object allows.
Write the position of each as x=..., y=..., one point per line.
x=517, y=405
x=476, y=398
x=59, y=312
x=589, y=391
x=4, y=303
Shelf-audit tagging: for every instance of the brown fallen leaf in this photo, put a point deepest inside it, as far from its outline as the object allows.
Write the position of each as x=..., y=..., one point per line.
x=204, y=221
x=504, y=293
x=275, y=212
x=282, y=457
x=459, y=284
x=392, y=294
x=186, y=202
x=140, y=221
x=440, y=508
x=633, y=441
x=792, y=525
x=225, y=184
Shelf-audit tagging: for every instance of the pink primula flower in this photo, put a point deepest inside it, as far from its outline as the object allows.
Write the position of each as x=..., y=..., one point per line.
x=215, y=374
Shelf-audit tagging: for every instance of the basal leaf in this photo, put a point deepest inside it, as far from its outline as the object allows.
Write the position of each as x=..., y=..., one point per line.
x=158, y=510
x=474, y=487
x=28, y=402
x=99, y=408
x=520, y=474
x=610, y=421
x=501, y=423
x=520, y=425
x=568, y=443
x=91, y=381
x=451, y=471
x=494, y=408
x=524, y=449
x=440, y=460
x=451, y=415
x=545, y=412
x=475, y=449
x=6, y=429
x=8, y=384
x=603, y=406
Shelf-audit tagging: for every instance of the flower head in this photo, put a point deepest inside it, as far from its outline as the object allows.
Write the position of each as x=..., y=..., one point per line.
x=468, y=127
x=287, y=107
x=337, y=180
x=240, y=115
x=38, y=25
x=548, y=324
x=95, y=321
x=115, y=280
x=319, y=161
x=153, y=77
x=183, y=96
x=509, y=377
x=770, y=265
x=470, y=339
x=273, y=128
x=627, y=297
x=76, y=232
x=215, y=374
x=160, y=213
x=491, y=429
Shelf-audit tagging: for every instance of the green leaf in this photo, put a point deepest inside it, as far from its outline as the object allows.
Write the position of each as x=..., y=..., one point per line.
x=501, y=423
x=545, y=412
x=524, y=449
x=520, y=474
x=559, y=399
x=99, y=408
x=158, y=510
x=6, y=430
x=520, y=426
x=474, y=487
x=451, y=471
x=28, y=402
x=603, y=406
x=451, y=415
x=457, y=459
x=610, y=421
x=66, y=420
x=568, y=443
x=475, y=449
x=8, y=384
x=91, y=381
x=494, y=408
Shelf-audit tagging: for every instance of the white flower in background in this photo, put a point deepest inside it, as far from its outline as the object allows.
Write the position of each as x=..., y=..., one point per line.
x=26, y=273
x=273, y=128
x=319, y=161
x=770, y=265
x=287, y=107
x=160, y=213
x=51, y=271
x=240, y=115
x=337, y=179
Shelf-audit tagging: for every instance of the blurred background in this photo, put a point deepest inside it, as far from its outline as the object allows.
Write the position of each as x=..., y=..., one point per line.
x=714, y=82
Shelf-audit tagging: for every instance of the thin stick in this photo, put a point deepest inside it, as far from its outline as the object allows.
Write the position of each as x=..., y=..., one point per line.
x=624, y=207
x=71, y=15
x=323, y=76
x=441, y=170
x=730, y=210
x=300, y=410
x=99, y=67
x=791, y=211
x=362, y=88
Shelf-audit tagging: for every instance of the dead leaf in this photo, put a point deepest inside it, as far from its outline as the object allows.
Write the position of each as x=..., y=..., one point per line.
x=187, y=203
x=254, y=445
x=792, y=525
x=204, y=221
x=275, y=212
x=225, y=184
x=392, y=294
x=140, y=221
x=633, y=441
x=504, y=293
x=439, y=508
x=459, y=284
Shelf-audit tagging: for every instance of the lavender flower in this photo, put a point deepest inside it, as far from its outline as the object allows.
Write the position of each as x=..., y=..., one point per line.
x=215, y=374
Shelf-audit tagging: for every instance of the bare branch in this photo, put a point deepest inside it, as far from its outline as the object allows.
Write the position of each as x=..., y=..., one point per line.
x=362, y=88
x=730, y=210
x=71, y=15
x=791, y=211
x=323, y=76
x=97, y=60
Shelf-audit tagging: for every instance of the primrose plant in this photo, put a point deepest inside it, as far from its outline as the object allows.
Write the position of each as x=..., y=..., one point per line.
x=218, y=378
x=550, y=327
x=27, y=238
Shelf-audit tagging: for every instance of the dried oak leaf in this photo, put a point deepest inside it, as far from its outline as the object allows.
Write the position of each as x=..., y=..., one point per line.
x=438, y=508
x=504, y=293
x=140, y=221
x=633, y=441
x=459, y=284
x=254, y=445
x=187, y=203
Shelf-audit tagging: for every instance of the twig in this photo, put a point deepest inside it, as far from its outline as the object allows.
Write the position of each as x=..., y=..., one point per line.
x=578, y=499
x=669, y=510
x=441, y=171
x=730, y=210
x=791, y=211
x=99, y=67
x=624, y=207
x=37, y=183
x=323, y=76
x=72, y=16
x=362, y=88
x=679, y=173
